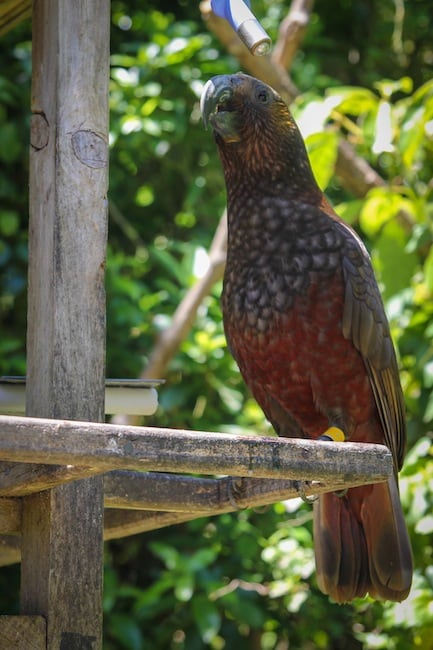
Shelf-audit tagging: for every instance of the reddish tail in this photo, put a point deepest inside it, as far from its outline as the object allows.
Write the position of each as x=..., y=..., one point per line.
x=362, y=545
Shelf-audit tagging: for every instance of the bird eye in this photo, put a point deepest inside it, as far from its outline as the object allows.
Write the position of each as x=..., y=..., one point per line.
x=262, y=96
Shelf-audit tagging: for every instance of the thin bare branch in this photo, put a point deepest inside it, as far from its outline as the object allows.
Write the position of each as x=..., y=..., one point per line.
x=354, y=173
x=291, y=33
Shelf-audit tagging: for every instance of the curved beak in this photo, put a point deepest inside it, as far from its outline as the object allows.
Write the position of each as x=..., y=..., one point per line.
x=217, y=108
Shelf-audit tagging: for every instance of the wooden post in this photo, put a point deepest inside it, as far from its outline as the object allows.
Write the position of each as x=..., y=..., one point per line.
x=62, y=560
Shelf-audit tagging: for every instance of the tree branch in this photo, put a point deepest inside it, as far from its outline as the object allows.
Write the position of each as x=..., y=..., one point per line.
x=354, y=173
x=291, y=33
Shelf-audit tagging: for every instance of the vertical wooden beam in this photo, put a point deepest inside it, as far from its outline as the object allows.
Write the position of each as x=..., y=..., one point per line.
x=63, y=527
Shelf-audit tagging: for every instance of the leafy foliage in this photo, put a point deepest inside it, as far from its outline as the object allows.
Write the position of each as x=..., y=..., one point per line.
x=244, y=580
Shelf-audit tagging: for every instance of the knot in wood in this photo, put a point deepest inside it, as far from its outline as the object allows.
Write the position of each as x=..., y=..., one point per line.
x=39, y=131
x=90, y=148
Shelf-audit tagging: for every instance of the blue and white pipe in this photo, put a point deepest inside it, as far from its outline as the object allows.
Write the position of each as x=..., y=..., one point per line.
x=243, y=21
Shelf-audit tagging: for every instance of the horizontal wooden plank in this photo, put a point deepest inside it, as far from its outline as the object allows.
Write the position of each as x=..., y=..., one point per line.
x=226, y=495
x=155, y=491
x=122, y=523
x=21, y=479
x=23, y=632
x=108, y=446
x=167, y=499
x=174, y=493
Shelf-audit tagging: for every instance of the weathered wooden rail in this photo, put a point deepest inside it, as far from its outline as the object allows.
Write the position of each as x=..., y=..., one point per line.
x=105, y=447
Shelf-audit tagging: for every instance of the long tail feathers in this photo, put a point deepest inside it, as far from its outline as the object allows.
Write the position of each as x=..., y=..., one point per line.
x=362, y=545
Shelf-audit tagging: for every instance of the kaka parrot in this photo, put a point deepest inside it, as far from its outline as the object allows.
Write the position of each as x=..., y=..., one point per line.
x=305, y=322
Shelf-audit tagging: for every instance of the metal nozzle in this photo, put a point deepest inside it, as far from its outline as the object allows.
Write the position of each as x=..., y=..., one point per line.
x=239, y=15
x=254, y=36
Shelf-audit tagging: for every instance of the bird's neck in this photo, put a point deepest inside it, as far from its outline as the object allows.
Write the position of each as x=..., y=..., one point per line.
x=260, y=183
x=255, y=170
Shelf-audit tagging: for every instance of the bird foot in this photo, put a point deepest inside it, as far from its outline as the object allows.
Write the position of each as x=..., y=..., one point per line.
x=333, y=434
x=337, y=435
x=235, y=490
x=301, y=488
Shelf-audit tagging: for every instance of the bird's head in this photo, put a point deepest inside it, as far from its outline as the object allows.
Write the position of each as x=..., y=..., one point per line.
x=253, y=128
x=237, y=105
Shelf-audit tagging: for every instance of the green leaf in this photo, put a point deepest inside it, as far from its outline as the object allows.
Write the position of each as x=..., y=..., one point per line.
x=206, y=617
x=381, y=205
x=9, y=222
x=354, y=100
x=395, y=265
x=201, y=559
x=428, y=270
x=412, y=135
x=184, y=587
x=428, y=413
x=126, y=631
x=349, y=211
x=11, y=142
x=322, y=151
x=152, y=127
x=388, y=87
x=245, y=610
x=145, y=196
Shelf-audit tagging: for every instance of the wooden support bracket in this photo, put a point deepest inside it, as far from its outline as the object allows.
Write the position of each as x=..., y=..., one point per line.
x=23, y=633
x=13, y=12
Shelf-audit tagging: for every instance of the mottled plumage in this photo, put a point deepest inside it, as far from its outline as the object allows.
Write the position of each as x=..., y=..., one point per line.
x=306, y=324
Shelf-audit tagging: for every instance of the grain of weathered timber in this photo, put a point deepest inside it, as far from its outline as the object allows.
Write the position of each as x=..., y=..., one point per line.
x=156, y=491
x=23, y=633
x=20, y=479
x=121, y=523
x=69, y=555
x=183, y=498
x=174, y=493
x=229, y=495
x=108, y=446
x=10, y=515
x=62, y=529
x=13, y=12
x=68, y=209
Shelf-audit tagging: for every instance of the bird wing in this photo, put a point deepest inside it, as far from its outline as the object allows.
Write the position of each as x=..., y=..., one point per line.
x=366, y=325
